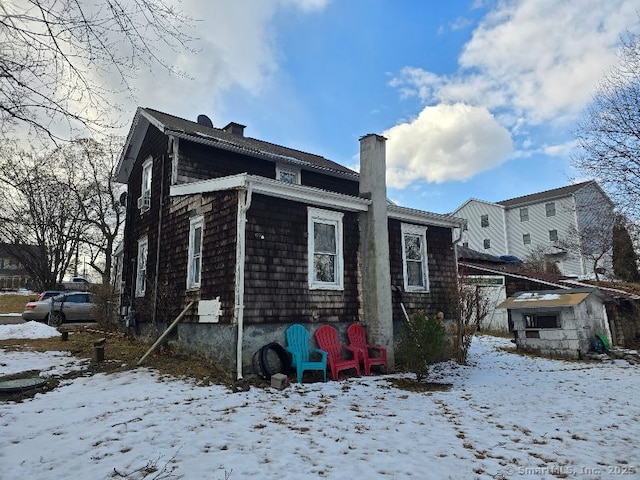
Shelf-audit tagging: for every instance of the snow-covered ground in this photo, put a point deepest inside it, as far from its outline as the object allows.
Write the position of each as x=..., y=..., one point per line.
x=506, y=416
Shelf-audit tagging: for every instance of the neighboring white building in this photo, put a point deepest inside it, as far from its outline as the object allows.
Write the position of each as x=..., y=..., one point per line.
x=518, y=226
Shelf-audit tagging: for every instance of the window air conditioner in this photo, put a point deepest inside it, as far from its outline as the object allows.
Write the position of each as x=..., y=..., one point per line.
x=144, y=203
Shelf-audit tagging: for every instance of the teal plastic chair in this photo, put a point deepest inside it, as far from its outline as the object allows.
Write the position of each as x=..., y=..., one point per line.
x=298, y=346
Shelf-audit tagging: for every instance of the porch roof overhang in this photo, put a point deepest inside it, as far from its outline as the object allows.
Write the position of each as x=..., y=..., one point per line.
x=274, y=188
x=312, y=196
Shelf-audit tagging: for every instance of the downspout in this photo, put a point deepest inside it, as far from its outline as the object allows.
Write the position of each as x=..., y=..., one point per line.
x=158, y=233
x=244, y=202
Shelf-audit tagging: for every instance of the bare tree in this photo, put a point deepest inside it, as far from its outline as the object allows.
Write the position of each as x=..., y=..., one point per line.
x=38, y=221
x=609, y=132
x=593, y=242
x=93, y=189
x=56, y=57
x=625, y=258
x=540, y=260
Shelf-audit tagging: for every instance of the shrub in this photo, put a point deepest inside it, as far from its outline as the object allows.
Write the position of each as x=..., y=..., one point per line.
x=422, y=341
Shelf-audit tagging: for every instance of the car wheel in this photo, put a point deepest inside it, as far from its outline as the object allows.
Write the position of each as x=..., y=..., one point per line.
x=56, y=319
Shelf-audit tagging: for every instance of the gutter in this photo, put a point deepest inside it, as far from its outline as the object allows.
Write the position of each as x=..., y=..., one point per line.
x=244, y=202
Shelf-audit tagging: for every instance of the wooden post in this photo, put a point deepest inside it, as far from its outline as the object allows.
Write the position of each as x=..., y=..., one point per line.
x=166, y=332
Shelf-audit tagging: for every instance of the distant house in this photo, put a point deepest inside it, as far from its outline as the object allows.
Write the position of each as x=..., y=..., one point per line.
x=544, y=221
x=13, y=274
x=566, y=323
x=260, y=236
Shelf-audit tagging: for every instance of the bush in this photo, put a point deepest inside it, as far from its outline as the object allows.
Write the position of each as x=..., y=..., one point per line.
x=423, y=341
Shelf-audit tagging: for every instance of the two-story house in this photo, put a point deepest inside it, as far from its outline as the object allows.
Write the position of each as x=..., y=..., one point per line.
x=562, y=224
x=257, y=236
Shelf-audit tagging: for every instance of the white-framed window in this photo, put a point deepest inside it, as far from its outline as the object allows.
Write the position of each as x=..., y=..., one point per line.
x=326, y=262
x=524, y=214
x=550, y=209
x=194, y=265
x=141, y=267
x=486, y=243
x=526, y=238
x=288, y=175
x=553, y=235
x=414, y=257
x=484, y=221
x=144, y=202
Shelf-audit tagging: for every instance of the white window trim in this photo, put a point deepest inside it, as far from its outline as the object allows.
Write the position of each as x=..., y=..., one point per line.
x=145, y=193
x=421, y=231
x=143, y=243
x=293, y=171
x=316, y=215
x=193, y=224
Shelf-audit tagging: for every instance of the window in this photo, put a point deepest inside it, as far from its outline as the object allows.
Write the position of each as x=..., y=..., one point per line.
x=484, y=221
x=465, y=244
x=194, y=265
x=288, y=175
x=524, y=214
x=141, y=272
x=487, y=243
x=414, y=257
x=547, y=320
x=144, y=202
x=551, y=209
x=526, y=238
x=326, y=262
x=553, y=235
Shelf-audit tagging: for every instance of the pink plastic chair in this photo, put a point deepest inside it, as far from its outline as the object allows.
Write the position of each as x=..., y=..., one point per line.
x=358, y=340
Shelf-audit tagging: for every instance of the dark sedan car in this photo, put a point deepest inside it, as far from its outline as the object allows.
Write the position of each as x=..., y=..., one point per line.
x=68, y=307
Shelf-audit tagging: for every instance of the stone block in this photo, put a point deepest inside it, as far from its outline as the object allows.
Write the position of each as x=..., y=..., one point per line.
x=279, y=381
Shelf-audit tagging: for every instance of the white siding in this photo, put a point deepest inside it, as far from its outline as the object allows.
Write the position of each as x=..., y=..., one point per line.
x=475, y=235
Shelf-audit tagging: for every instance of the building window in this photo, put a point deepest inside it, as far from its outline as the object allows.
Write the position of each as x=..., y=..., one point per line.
x=141, y=272
x=465, y=244
x=144, y=202
x=550, y=207
x=414, y=257
x=487, y=243
x=553, y=235
x=288, y=175
x=526, y=238
x=326, y=263
x=548, y=320
x=484, y=221
x=194, y=265
x=524, y=214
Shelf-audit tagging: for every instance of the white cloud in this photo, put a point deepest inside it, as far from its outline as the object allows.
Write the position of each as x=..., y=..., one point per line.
x=445, y=142
x=529, y=62
x=235, y=48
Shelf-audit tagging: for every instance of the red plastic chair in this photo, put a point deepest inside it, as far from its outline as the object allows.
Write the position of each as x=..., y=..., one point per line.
x=327, y=338
x=358, y=340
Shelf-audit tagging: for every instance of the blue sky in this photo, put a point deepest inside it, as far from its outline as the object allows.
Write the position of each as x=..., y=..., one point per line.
x=477, y=98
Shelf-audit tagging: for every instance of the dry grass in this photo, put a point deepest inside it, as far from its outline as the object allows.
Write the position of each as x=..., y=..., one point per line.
x=14, y=303
x=123, y=353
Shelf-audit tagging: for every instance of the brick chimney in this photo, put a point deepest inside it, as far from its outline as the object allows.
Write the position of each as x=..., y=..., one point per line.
x=374, y=241
x=235, y=129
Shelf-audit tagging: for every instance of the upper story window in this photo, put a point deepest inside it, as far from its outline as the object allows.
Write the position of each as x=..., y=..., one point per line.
x=288, y=175
x=141, y=268
x=487, y=243
x=524, y=214
x=326, y=262
x=526, y=238
x=194, y=265
x=414, y=257
x=144, y=202
x=484, y=221
x=553, y=235
x=550, y=208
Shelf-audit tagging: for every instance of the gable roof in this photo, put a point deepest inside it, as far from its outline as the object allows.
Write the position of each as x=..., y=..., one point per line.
x=219, y=138
x=545, y=195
